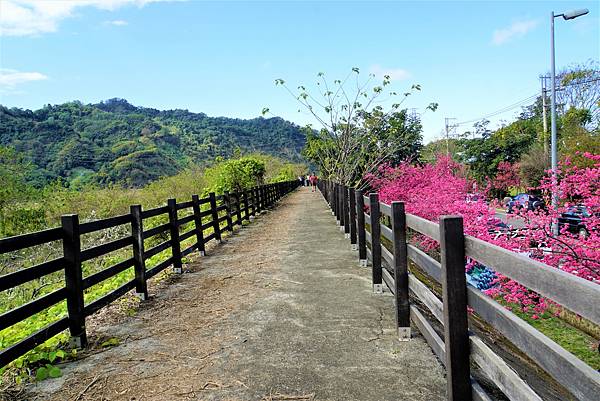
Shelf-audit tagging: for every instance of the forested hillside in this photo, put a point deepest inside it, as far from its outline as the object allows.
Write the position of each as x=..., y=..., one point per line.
x=117, y=142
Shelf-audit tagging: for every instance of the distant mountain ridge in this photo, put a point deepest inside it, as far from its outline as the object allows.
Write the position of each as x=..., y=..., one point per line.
x=116, y=142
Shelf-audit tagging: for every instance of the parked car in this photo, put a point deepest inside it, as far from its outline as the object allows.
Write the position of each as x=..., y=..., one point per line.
x=498, y=228
x=526, y=202
x=471, y=198
x=575, y=220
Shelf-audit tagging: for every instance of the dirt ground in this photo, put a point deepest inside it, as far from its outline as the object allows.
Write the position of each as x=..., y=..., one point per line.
x=280, y=311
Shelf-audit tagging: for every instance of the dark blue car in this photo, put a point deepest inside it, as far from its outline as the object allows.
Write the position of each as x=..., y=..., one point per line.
x=526, y=202
x=575, y=220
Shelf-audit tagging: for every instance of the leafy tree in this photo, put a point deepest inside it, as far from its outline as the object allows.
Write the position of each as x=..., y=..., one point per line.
x=445, y=189
x=12, y=177
x=577, y=144
x=434, y=149
x=398, y=130
x=13, y=190
x=235, y=175
x=507, y=144
x=506, y=178
x=114, y=142
x=533, y=166
x=357, y=134
x=579, y=88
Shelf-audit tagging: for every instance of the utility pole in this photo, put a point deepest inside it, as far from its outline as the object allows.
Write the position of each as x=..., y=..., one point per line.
x=554, y=159
x=448, y=128
x=553, y=144
x=412, y=113
x=545, y=120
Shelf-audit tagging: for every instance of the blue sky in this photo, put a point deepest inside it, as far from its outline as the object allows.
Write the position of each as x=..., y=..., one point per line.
x=222, y=58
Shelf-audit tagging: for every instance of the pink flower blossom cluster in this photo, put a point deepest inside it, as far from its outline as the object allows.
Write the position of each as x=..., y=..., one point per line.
x=507, y=176
x=433, y=190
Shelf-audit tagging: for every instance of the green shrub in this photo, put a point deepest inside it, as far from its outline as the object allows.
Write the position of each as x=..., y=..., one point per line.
x=234, y=175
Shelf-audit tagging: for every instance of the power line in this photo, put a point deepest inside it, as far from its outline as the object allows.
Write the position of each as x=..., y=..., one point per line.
x=502, y=110
x=522, y=102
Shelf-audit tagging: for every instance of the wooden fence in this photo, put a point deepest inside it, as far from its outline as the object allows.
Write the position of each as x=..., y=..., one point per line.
x=459, y=347
x=213, y=214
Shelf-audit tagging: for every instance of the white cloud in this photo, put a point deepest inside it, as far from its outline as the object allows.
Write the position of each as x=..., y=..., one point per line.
x=117, y=22
x=35, y=17
x=516, y=30
x=395, y=74
x=9, y=79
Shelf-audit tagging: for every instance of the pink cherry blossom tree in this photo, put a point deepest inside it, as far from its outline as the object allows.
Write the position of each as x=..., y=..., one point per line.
x=433, y=190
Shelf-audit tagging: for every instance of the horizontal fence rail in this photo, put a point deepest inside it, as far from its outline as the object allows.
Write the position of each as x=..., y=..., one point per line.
x=381, y=238
x=198, y=219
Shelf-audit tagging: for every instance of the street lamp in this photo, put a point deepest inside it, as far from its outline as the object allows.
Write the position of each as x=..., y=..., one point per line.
x=567, y=16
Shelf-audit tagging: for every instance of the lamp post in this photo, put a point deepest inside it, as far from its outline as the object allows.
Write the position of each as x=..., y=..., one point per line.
x=566, y=16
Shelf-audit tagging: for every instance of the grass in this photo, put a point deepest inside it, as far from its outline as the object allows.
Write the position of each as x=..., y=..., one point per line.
x=22, y=367
x=580, y=344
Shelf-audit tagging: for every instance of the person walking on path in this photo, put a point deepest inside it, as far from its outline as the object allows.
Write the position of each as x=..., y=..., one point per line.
x=313, y=181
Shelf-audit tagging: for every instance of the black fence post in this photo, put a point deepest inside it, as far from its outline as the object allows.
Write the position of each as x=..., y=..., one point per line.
x=456, y=329
x=376, y=243
x=340, y=190
x=330, y=196
x=238, y=208
x=246, y=206
x=352, y=199
x=401, y=271
x=341, y=206
x=254, y=196
x=340, y=201
x=227, y=202
x=360, y=225
x=139, y=264
x=198, y=224
x=174, y=228
x=346, y=209
x=338, y=211
x=257, y=199
x=336, y=201
x=331, y=193
x=215, y=216
x=73, y=279
x=266, y=194
x=253, y=201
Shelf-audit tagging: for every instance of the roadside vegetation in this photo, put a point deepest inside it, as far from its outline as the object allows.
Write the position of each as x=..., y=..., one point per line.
x=42, y=208
x=446, y=187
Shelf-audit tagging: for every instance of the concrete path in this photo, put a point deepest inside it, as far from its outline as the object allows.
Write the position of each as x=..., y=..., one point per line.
x=305, y=327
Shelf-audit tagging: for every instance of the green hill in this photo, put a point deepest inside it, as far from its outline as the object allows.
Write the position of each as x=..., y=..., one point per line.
x=117, y=142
